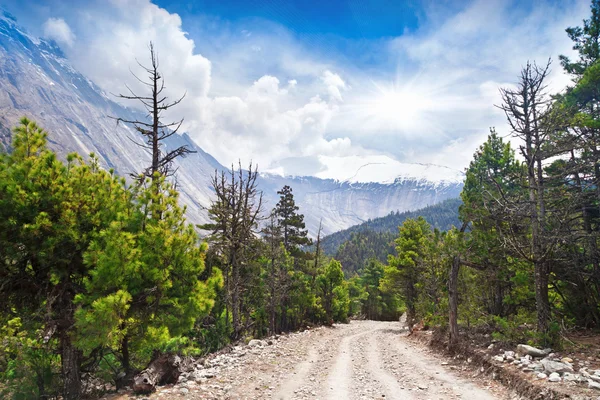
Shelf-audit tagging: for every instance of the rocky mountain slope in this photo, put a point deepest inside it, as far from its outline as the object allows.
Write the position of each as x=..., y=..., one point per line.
x=36, y=80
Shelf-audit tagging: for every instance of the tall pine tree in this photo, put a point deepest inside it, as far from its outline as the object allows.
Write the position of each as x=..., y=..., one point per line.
x=292, y=223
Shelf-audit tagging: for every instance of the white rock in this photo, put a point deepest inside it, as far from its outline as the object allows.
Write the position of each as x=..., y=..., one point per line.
x=524, y=349
x=542, y=375
x=257, y=343
x=568, y=377
x=593, y=385
x=555, y=366
x=554, y=377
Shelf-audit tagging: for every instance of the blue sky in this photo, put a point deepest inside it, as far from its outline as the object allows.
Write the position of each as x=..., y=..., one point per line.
x=352, y=19
x=320, y=87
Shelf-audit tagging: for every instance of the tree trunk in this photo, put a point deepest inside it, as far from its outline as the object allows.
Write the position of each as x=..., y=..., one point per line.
x=235, y=299
x=453, y=303
x=541, y=296
x=163, y=370
x=125, y=354
x=272, y=289
x=70, y=360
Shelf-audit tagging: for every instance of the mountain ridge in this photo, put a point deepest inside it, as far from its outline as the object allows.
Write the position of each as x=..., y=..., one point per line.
x=36, y=80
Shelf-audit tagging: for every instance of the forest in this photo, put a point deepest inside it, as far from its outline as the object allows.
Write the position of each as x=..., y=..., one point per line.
x=375, y=238
x=101, y=275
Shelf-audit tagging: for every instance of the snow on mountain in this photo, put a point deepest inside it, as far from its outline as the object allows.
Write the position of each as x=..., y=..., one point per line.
x=383, y=169
x=36, y=80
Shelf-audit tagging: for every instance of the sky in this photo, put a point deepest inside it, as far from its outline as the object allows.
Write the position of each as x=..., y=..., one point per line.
x=313, y=87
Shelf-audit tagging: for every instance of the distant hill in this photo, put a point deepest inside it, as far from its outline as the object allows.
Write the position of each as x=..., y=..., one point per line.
x=374, y=238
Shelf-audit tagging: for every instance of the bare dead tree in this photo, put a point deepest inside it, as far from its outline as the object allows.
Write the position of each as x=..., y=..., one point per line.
x=236, y=213
x=527, y=109
x=153, y=130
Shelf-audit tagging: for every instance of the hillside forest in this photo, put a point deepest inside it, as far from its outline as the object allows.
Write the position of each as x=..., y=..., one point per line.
x=100, y=275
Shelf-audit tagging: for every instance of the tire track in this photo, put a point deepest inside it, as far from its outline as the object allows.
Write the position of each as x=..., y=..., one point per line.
x=289, y=388
x=424, y=374
x=340, y=378
x=392, y=388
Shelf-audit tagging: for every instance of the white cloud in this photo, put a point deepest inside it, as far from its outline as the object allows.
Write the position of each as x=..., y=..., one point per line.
x=259, y=93
x=334, y=85
x=58, y=30
x=263, y=120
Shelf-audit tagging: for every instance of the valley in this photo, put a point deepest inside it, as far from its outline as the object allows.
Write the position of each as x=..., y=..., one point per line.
x=392, y=243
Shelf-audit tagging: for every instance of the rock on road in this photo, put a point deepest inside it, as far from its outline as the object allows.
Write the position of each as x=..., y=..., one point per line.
x=360, y=360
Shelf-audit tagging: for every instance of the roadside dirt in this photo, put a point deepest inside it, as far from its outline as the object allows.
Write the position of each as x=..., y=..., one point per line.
x=360, y=360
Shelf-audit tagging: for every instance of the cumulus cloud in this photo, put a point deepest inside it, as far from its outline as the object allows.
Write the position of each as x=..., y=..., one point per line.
x=335, y=84
x=58, y=30
x=262, y=94
x=268, y=119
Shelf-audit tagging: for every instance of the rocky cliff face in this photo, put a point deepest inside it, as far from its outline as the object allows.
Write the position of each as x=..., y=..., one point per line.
x=37, y=81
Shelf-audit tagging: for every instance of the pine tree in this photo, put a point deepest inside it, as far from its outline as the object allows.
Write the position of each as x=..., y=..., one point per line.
x=333, y=293
x=235, y=215
x=587, y=43
x=292, y=223
x=145, y=286
x=404, y=272
x=49, y=213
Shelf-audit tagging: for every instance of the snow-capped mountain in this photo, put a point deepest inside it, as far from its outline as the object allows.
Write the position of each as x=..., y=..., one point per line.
x=36, y=80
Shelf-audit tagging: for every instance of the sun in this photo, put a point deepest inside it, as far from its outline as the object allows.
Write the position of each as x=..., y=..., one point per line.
x=393, y=107
x=398, y=107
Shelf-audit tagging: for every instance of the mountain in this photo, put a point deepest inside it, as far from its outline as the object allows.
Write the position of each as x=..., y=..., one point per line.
x=442, y=216
x=36, y=80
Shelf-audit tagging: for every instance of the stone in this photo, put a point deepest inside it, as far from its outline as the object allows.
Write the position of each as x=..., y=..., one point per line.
x=257, y=343
x=566, y=360
x=537, y=366
x=524, y=349
x=568, y=377
x=541, y=375
x=593, y=385
x=554, y=377
x=555, y=366
x=499, y=358
x=595, y=378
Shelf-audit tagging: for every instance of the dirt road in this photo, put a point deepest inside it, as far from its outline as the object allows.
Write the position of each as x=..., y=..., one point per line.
x=360, y=360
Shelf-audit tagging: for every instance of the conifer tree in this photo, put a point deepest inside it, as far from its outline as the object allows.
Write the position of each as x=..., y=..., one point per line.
x=49, y=213
x=145, y=286
x=333, y=294
x=405, y=271
x=235, y=214
x=292, y=223
x=586, y=41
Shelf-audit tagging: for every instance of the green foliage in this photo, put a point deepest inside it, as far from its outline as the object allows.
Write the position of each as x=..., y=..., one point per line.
x=92, y=264
x=28, y=366
x=362, y=246
x=377, y=304
x=373, y=238
x=586, y=42
x=333, y=291
x=292, y=223
x=404, y=274
x=144, y=287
